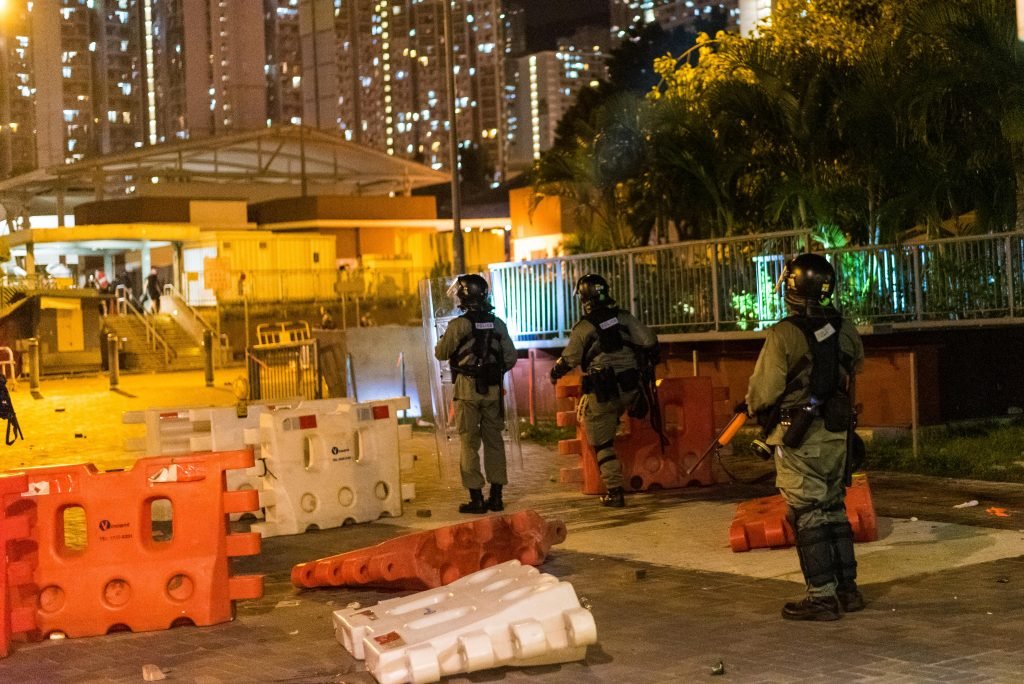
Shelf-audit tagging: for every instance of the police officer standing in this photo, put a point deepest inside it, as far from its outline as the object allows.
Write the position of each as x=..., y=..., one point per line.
x=801, y=393
x=479, y=350
x=611, y=346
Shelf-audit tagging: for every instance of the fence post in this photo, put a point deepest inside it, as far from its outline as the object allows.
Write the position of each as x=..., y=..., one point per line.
x=208, y=356
x=1008, y=265
x=918, y=292
x=560, y=298
x=33, y=357
x=113, y=361
x=714, y=285
x=632, y=283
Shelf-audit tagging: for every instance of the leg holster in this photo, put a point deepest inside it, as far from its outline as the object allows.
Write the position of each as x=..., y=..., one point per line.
x=842, y=548
x=814, y=548
x=602, y=383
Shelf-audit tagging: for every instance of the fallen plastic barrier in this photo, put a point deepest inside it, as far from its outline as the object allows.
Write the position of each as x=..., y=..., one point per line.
x=687, y=407
x=424, y=560
x=764, y=523
x=325, y=469
x=17, y=591
x=506, y=615
x=132, y=571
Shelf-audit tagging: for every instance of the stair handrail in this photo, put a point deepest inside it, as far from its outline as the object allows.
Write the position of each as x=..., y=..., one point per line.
x=221, y=339
x=125, y=307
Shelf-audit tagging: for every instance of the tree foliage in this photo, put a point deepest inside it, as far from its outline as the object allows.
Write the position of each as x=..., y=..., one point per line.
x=868, y=117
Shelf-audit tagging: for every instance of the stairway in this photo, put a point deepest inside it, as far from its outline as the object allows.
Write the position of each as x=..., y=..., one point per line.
x=139, y=357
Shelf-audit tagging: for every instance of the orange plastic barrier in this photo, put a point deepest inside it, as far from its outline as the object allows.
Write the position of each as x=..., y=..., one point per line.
x=687, y=409
x=763, y=523
x=424, y=560
x=17, y=593
x=106, y=562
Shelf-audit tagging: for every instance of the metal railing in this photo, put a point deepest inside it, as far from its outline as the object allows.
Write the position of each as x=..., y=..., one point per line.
x=282, y=371
x=197, y=324
x=728, y=285
x=124, y=307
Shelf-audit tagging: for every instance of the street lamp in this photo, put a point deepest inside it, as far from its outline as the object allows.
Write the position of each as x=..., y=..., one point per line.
x=458, y=247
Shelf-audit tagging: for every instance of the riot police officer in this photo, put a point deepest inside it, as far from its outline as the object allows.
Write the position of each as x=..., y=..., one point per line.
x=801, y=393
x=479, y=350
x=611, y=346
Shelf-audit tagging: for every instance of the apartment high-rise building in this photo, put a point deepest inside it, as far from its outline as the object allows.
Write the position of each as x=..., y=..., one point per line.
x=547, y=86
x=283, y=65
x=375, y=70
x=204, y=67
x=81, y=78
x=669, y=14
x=686, y=13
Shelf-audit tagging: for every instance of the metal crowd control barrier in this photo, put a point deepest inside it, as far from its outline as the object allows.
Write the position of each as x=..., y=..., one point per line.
x=283, y=371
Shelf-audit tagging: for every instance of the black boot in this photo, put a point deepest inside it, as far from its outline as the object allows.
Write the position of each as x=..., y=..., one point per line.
x=615, y=498
x=814, y=549
x=821, y=609
x=845, y=567
x=476, y=503
x=494, y=501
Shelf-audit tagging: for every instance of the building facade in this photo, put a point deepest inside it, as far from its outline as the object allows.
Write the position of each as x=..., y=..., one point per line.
x=671, y=14
x=376, y=72
x=546, y=86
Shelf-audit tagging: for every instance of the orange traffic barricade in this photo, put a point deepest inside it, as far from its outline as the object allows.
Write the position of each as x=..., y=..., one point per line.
x=17, y=592
x=764, y=523
x=424, y=560
x=687, y=409
x=141, y=549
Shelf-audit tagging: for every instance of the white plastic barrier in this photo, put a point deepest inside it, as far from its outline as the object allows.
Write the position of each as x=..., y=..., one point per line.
x=508, y=614
x=325, y=469
x=168, y=431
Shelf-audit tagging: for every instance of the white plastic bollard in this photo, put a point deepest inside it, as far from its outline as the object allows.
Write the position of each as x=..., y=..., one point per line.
x=508, y=614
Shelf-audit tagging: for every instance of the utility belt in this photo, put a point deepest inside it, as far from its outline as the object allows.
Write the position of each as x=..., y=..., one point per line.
x=485, y=376
x=606, y=384
x=836, y=412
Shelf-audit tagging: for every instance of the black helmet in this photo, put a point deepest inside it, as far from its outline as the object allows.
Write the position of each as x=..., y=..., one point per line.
x=810, y=279
x=592, y=290
x=472, y=291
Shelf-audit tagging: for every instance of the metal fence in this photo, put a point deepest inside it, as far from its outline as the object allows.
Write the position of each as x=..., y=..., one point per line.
x=284, y=371
x=729, y=285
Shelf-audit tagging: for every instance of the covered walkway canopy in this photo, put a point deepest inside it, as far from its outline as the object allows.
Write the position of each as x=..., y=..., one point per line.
x=281, y=161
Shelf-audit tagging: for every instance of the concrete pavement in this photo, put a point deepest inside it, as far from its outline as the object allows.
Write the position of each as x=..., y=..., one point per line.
x=945, y=591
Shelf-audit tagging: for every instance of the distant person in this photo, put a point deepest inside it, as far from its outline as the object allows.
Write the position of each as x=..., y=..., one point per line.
x=153, y=289
x=611, y=346
x=479, y=350
x=801, y=393
x=326, y=321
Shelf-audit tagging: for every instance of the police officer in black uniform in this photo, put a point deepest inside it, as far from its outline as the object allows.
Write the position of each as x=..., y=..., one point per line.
x=610, y=345
x=479, y=350
x=801, y=392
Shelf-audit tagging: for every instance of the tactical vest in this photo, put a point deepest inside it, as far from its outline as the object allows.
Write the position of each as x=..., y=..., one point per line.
x=822, y=336
x=477, y=356
x=609, y=335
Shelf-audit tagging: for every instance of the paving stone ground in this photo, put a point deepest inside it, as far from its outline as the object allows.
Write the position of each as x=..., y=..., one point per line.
x=959, y=624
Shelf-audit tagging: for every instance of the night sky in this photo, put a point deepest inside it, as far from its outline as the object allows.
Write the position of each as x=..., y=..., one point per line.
x=548, y=20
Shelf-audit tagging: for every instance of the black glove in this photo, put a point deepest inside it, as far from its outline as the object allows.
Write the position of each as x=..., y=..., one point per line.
x=741, y=408
x=558, y=370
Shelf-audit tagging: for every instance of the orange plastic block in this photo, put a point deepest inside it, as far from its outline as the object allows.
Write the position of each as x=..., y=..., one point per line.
x=126, y=569
x=764, y=523
x=425, y=560
x=687, y=409
x=17, y=593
